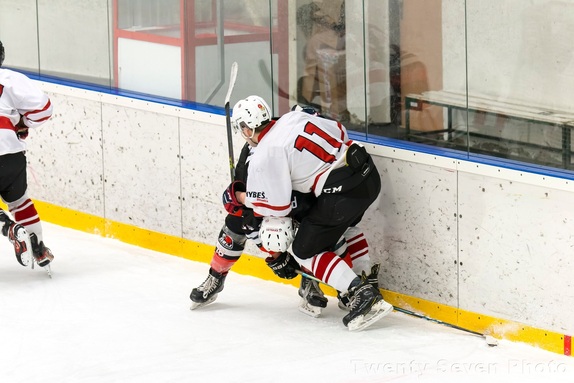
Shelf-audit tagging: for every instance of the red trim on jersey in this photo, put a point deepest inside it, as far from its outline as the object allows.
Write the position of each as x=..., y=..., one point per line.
x=265, y=130
x=317, y=180
x=340, y=126
x=46, y=107
x=5, y=123
x=271, y=207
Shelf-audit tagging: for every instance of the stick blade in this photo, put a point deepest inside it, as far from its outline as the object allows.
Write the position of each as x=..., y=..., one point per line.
x=232, y=78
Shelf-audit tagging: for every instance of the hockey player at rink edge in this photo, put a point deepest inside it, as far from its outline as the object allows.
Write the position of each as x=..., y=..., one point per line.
x=306, y=153
x=241, y=225
x=23, y=106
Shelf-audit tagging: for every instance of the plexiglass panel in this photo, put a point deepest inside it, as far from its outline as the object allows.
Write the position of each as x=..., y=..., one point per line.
x=19, y=34
x=521, y=80
x=74, y=40
x=160, y=17
x=484, y=77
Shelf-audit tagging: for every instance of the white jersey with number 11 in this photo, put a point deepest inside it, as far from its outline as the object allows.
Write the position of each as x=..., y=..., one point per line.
x=297, y=152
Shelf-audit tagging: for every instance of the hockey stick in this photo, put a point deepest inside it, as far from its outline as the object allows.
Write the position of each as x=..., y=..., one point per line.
x=490, y=340
x=232, y=78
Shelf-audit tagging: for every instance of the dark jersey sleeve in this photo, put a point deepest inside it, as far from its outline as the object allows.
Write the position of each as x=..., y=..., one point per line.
x=241, y=166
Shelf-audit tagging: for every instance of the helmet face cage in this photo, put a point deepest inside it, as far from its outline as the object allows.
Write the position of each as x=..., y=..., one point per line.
x=1, y=53
x=277, y=233
x=243, y=125
x=250, y=113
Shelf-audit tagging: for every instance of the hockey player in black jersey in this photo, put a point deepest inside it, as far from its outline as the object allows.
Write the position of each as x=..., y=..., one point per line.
x=240, y=225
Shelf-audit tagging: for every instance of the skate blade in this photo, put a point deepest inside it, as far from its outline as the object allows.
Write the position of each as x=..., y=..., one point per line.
x=378, y=311
x=196, y=305
x=307, y=309
x=48, y=270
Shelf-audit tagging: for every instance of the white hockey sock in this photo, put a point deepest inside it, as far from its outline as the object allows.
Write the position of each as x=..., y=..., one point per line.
x=331, y=269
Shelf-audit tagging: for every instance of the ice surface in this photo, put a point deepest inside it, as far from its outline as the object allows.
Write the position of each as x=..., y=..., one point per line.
x=119, y=313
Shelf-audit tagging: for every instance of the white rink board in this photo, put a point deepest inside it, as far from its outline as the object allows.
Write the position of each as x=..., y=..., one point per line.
x=165, y=169
x=153, y=166
x=65, y=156
x=516, y=243
x=204, y=176
x=412, y=230
x=141, y=169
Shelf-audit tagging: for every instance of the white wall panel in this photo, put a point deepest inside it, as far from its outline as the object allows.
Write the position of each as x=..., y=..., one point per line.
x=65, y=156
x=486, y=239
x=204, y=176
x=412, y=229
x=141, y=169
x=516, y=243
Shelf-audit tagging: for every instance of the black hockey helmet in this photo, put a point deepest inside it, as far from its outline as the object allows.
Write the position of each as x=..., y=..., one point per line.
x=1, y=53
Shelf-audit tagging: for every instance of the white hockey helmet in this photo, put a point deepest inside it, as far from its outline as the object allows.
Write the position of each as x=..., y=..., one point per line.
x=276, y=233
x=251, y=112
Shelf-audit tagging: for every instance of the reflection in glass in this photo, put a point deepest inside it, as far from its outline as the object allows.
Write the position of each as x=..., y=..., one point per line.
x=161, y=17
x=428, y=72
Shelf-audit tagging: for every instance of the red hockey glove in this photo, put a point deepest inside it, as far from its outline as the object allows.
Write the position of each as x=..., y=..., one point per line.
x=21, y=129
x=22, y=133
x=230, y=203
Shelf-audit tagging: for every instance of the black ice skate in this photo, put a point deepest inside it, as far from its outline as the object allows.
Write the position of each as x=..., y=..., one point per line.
x=344, y=301
x=19, y=238
x=373, y=278
x=312, y=298
x=367, y=306
x=42, y=254
x=207, y=292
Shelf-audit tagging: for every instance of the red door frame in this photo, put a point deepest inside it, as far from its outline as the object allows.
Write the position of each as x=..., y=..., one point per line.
x=189, y=41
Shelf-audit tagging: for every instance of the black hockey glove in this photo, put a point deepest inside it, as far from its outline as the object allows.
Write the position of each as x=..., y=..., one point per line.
x=230, y=203
x=250, y=227
x=251, y=223
x=284, y=266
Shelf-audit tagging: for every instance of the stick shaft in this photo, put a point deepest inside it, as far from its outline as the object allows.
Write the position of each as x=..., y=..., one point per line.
x=405, y=311
x=231, y=159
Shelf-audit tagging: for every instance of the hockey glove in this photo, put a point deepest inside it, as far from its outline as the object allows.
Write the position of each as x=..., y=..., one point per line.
x=230, y=203
x=250, y=226
x=21, y=129
x=251, y=223
x=22, y=133
x=284, y=266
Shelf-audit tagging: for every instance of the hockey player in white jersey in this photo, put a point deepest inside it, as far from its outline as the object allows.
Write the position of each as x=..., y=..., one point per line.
x=305, y=153
x=240, y=225
x=23, y=106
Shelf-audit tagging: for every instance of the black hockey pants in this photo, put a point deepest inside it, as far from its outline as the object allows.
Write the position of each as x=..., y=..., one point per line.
x=332, y=215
